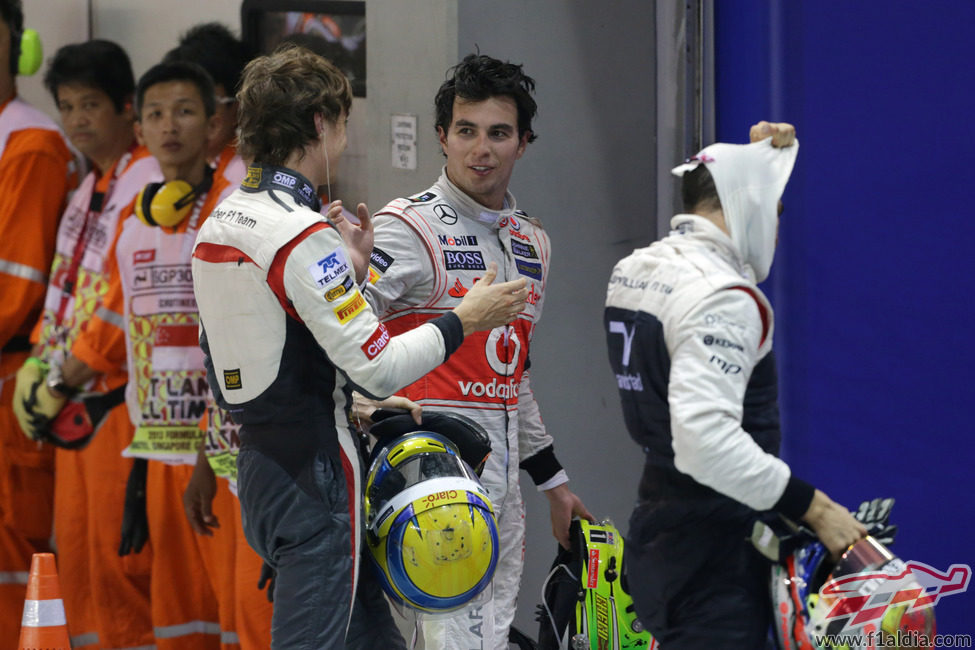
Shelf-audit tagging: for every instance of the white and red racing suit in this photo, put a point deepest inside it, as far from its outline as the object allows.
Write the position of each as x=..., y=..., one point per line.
x=288, y=336
x=429, y=250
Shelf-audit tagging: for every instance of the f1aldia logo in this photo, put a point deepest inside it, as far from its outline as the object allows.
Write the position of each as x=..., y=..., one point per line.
x=865, y=597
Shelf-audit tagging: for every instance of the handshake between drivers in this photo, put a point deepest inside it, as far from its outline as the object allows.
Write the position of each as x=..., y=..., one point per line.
x=488, y=305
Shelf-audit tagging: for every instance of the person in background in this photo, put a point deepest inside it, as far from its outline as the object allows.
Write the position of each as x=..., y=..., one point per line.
x=210, y=497
x=690, y=340
x=106, y=597
x=288, y=335
x=148, y=320
x=213, y=47
x=429, y=250
x=38, y=170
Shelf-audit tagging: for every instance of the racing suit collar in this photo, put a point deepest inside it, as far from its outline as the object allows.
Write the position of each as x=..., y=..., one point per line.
x=471, y=208
x=699, y=228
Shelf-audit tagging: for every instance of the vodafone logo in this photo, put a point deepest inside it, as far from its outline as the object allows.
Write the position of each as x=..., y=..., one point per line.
x=376, y=343
x=492, y=389
x=502, y=350
x=141, y=257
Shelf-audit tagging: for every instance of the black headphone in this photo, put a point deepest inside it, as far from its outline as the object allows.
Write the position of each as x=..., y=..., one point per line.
x=167, y=204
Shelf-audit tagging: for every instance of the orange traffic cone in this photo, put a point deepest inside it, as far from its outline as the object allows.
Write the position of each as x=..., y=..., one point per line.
x=43, y=626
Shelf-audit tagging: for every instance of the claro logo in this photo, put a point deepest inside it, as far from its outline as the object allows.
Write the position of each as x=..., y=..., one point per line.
x=377, y=342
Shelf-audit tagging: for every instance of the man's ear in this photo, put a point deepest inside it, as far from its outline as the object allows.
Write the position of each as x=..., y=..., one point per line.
x=214, y=122
x=523, y=143
x=442, y=136
x=128, y=109
x=137, y=128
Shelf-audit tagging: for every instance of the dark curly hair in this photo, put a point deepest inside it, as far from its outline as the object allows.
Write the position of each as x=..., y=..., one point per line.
x=479, y=77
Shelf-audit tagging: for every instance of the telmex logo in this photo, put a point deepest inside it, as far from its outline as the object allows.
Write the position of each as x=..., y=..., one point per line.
x=141, y=257
x=376, y=343
x=286, y=180
x=329, y=262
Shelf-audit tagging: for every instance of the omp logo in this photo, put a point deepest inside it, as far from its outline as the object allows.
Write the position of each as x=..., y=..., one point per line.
x=593, y=570
x=231, y=379
x=866, y=597
x=350, y=308
x=142, y=257
x=457, y=240
x=515, y=233
x=463, y=260
x=285, y=180
x=253, y=178
x=376, y=343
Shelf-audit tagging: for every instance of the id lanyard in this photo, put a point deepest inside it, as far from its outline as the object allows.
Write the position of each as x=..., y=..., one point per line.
x=95, y=206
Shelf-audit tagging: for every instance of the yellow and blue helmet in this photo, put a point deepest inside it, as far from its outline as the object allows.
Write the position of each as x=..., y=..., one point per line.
x=430, y=524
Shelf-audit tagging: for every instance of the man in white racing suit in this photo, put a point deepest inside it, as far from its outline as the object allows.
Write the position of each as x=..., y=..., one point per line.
x=429, y=250
x=690, y=340
x=288, y=335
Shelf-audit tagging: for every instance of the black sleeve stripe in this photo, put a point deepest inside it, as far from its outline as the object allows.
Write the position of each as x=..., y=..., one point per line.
x=796, y=498
x=453, y=332
x=542, y=466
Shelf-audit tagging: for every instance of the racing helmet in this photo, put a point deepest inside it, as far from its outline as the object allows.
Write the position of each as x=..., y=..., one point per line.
x=430, y=525
x=869, y=595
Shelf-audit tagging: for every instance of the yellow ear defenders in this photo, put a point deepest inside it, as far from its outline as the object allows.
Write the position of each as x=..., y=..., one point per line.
x=26, y=53
x=167, y=204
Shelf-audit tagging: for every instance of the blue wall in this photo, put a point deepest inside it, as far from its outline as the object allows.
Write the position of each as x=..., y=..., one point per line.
x=874, y=279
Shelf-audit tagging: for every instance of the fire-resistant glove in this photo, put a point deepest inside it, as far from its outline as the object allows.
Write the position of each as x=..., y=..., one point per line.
x=135, y=522
x=267, y=578
x=875, y=515
x=30, y=387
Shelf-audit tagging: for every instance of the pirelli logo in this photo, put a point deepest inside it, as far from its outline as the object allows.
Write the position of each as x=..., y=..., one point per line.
x=231, y=379
x=350, y=308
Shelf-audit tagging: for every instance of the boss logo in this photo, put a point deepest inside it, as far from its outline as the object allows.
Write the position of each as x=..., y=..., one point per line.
x=463, y=260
